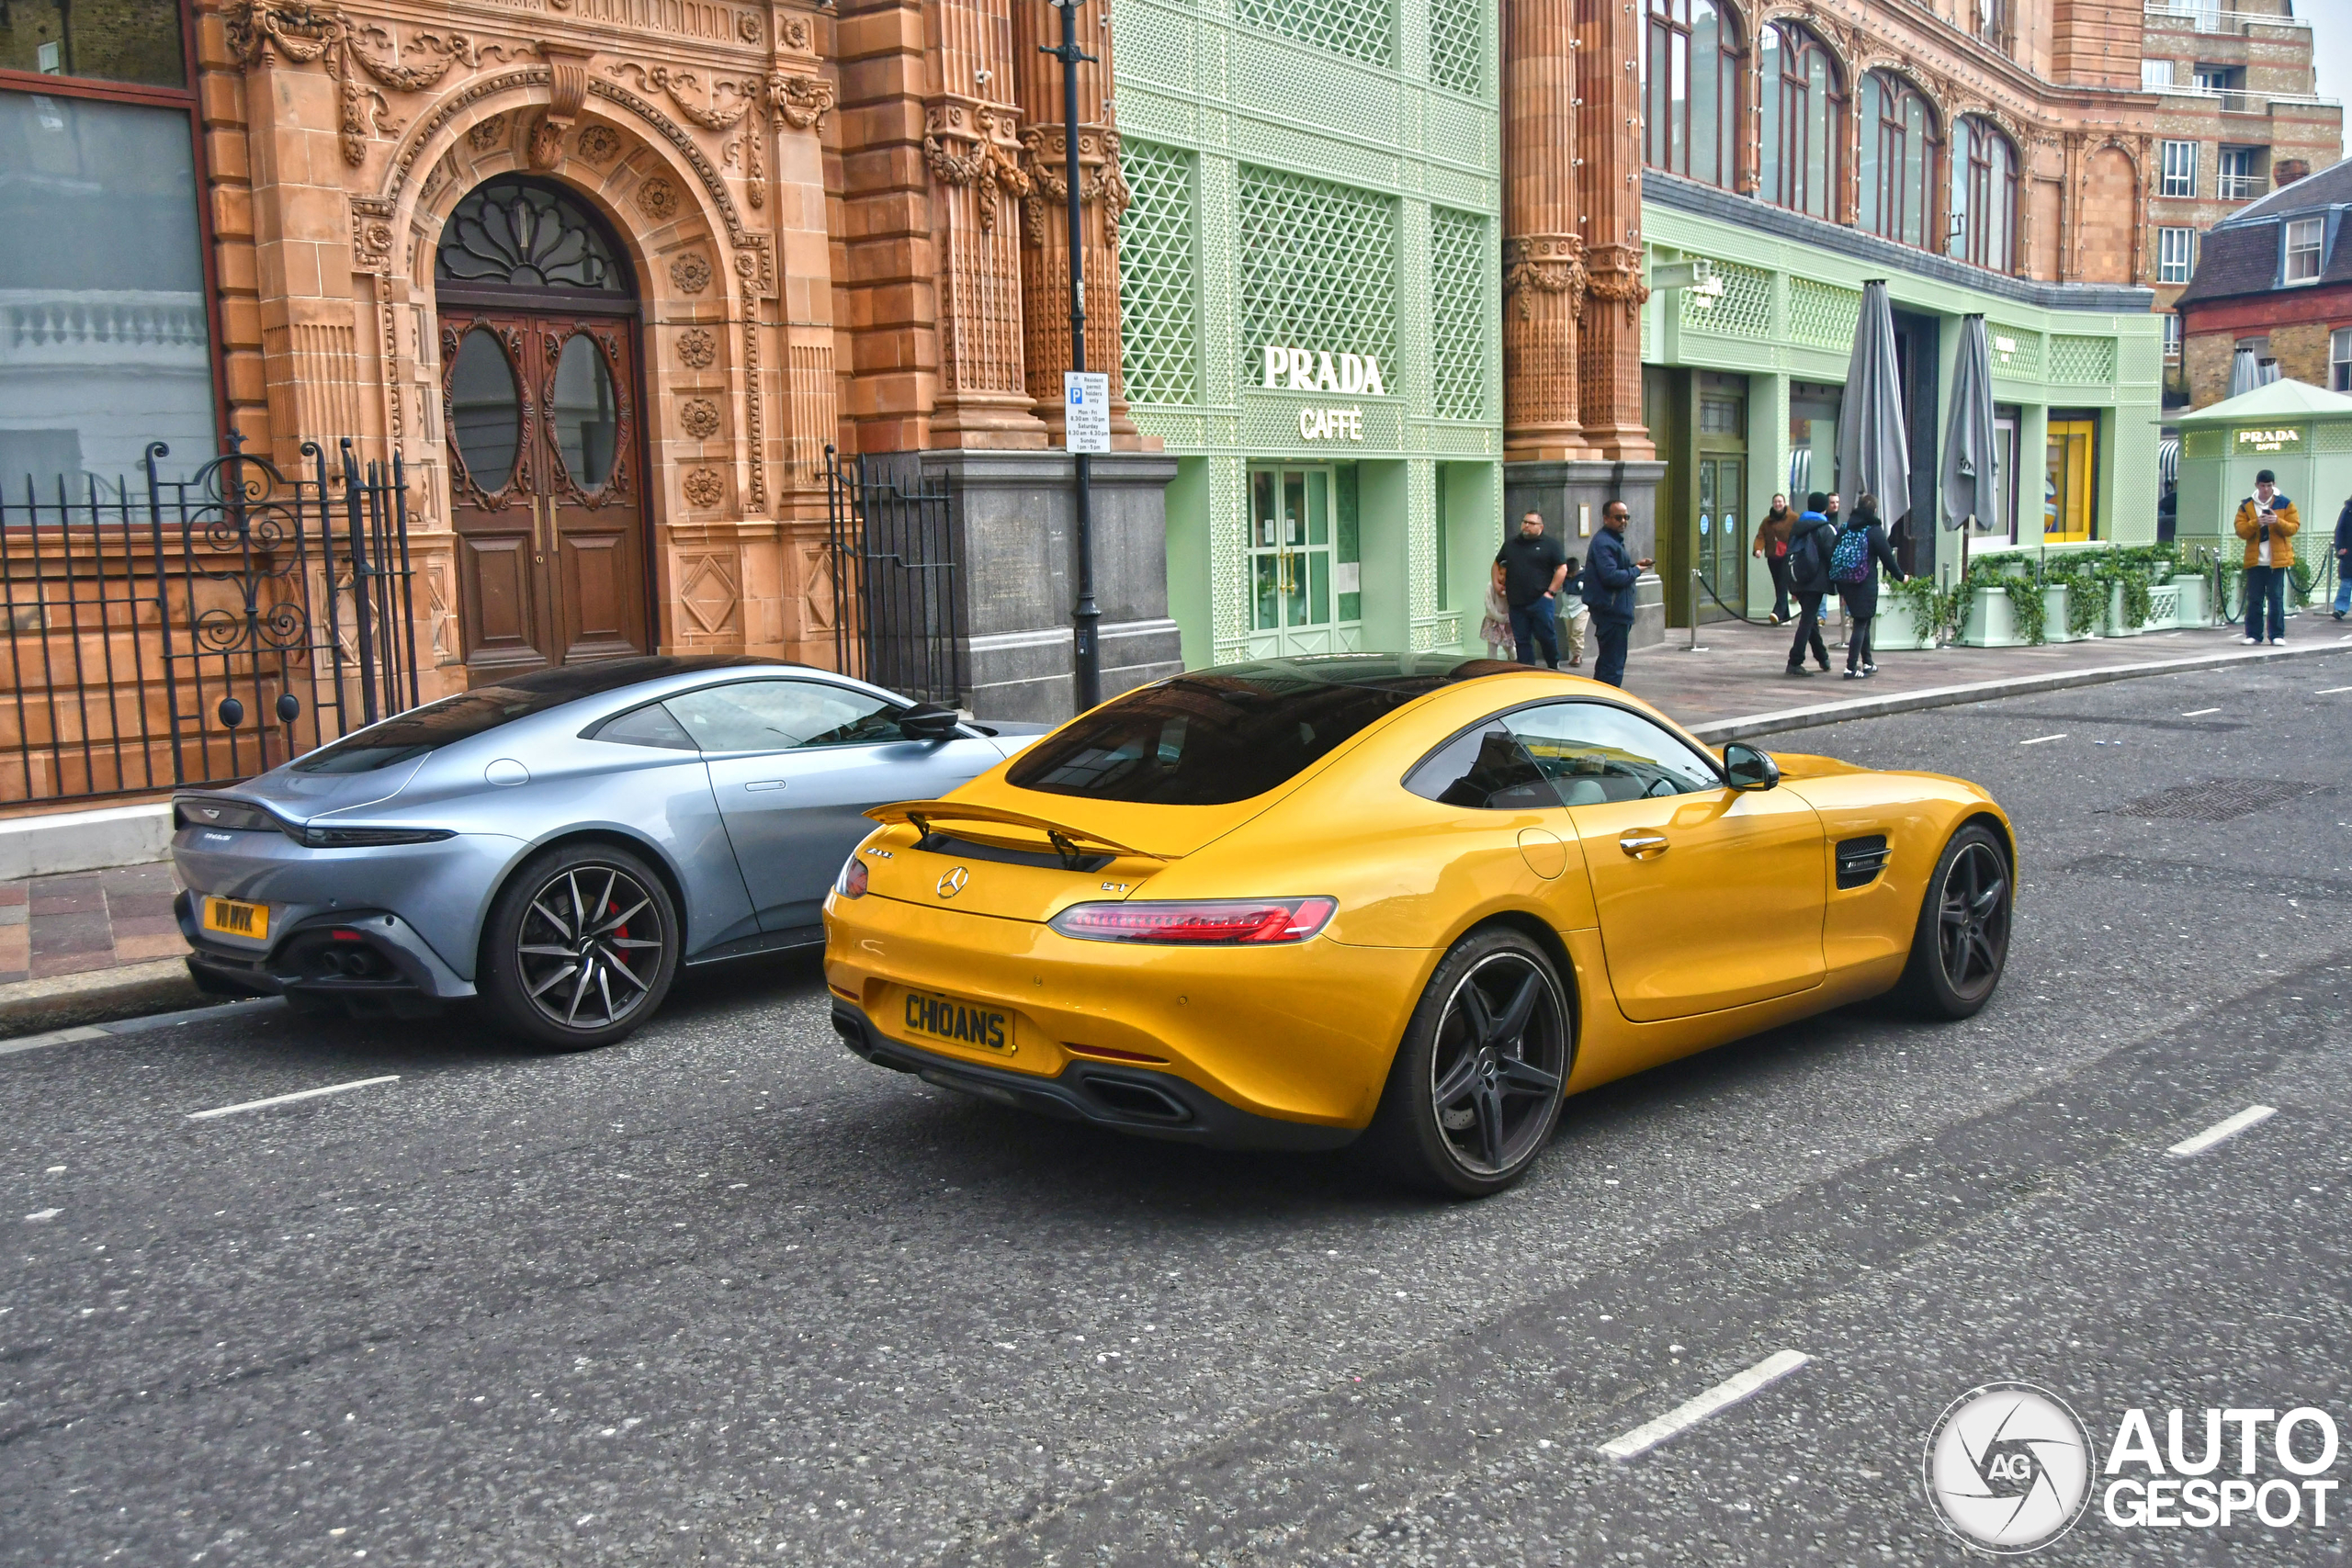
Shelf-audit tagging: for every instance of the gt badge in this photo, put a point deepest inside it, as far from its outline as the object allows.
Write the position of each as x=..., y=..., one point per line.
x=953, y=883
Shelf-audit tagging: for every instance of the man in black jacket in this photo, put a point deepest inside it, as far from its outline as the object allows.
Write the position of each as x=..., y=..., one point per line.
x=2343, y=561
x=1533, y=569
x=1609, y=573
x=1811, y=539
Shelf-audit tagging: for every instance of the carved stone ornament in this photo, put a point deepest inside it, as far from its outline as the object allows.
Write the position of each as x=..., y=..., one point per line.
x=987, y=165
x=795, y=33
x=568, y=74
x=372, y=235
x=1545, y=263
x=801, y=100
x=747, y=27
x=727, y=102
x=659, y=198
x=597, y=143
x=697, y=348
x=691, y=273
x=1615, y=274
x=488, y=134
x=705, y=488
x=302, y=32
x=1048, y=156
x=698, y=417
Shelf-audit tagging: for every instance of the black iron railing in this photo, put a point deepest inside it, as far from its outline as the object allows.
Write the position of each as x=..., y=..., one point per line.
x=896, y=619
x=202, y=631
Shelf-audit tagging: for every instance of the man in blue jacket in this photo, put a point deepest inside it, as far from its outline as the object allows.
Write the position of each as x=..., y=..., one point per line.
x=1609, y=573
x=1810, y=542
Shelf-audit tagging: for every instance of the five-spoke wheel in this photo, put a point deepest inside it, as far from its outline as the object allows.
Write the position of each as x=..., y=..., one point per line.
x=1962, y=939
x=1476, y=1089
x=582, y=946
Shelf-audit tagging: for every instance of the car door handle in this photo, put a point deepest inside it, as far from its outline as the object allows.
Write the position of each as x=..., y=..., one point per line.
x=765, y=784
x=1642, y=846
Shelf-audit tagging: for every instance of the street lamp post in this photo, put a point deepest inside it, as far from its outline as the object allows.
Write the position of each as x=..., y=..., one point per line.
x=1086, y=618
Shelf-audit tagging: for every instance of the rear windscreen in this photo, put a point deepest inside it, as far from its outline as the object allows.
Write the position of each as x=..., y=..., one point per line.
x=430, y=728
x=1206, y=739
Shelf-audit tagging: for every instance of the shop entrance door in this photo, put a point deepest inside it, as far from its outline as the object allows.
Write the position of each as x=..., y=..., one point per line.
x=1303, y=561
x=1722, y=540
x=2073, y=459
x=540, y=393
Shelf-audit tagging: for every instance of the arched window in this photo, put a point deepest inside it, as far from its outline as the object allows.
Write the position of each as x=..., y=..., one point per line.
x=1690, y=72
x=1983, y=195
x=1804, y=113
x=517, y=235
x=1898, y=160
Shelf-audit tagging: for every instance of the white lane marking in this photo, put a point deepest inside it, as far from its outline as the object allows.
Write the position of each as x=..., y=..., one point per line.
x=2228, y=1128
x=1725, y=1395
x=2199, y=712
x=42, y=1216
x=2040, y=739
x=2331, y=691
x=289, y=1099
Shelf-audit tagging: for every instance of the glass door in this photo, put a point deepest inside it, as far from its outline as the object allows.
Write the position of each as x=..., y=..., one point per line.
x=1722, y=559
x=2066, y=481
x=1303, y=561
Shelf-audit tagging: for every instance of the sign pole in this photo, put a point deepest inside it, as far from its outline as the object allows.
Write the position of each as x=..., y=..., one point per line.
x=1080, y=390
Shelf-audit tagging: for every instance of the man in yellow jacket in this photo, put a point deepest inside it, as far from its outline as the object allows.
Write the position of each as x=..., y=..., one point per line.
x=2266, y=522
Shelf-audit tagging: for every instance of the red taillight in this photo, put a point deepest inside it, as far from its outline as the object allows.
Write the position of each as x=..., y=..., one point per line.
x=1210, y=922
x=850, y=884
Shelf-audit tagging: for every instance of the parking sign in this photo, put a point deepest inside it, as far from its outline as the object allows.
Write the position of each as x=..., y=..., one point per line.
x=1086, y=411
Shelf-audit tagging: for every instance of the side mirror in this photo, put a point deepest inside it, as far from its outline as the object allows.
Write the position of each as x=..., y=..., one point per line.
x=927, y=723
x=1747, y=768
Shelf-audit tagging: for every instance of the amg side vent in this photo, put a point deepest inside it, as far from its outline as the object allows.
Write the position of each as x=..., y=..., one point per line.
x=1860, y=860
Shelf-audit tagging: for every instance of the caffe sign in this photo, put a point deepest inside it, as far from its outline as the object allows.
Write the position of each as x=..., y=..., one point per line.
x=2286, y=439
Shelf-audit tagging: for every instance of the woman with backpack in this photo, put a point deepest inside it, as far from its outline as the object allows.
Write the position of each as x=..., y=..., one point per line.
x=1810, y=538
x=1861, y=550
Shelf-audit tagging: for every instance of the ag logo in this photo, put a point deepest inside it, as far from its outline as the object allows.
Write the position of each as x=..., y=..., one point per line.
x=953, y=882
x=2008, y=1467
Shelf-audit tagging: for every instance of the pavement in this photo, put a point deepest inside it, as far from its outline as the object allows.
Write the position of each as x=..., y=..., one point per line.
x=98, y=945
x=724, y=1294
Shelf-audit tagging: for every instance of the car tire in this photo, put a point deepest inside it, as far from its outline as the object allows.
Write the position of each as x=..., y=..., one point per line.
x=1465, y=1112
x=1962, y=941
x=580, y=946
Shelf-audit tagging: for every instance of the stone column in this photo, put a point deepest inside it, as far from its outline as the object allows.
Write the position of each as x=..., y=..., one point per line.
x=1045, y=225
x=1610, y=346
x=1544, y=274
x=972, y=147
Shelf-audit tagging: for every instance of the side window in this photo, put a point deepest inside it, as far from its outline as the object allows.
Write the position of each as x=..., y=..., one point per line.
x=1483, y=769
x=649, y=726
x=775, y=716
x=1593, y=752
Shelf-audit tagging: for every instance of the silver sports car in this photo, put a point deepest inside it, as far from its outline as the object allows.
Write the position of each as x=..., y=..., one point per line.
x=558, y=843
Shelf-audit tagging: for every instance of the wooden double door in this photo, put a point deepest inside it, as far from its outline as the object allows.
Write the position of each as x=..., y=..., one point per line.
x=547, y=491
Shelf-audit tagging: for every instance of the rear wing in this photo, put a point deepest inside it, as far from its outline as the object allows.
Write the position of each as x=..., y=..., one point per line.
x=1067, y=841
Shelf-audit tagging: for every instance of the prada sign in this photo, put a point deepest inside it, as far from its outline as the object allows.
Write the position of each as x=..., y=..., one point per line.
x=1320, y=370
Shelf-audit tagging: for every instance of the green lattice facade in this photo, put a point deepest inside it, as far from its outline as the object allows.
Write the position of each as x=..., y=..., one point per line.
x=1320, y=176
x=1776, y=341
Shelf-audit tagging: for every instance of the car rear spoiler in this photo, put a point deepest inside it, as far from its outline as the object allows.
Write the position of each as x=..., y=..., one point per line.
x=1065, y=839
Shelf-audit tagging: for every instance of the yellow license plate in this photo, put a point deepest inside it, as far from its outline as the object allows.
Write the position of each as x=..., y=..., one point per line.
x=957, y=1022
x=237, y=918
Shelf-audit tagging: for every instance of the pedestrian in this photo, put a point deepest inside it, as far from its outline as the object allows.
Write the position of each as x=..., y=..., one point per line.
x=1811, y=538
x=1609, y=573
x=1532, y=569
x=2267, y=522
x=2343, y=560
x=1861, y=549
x=1573, y=618
x=1494, y=629
x=1772, y=544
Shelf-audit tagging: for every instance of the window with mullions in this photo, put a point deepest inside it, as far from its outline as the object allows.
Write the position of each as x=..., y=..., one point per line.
x=2178, y=169
x=1690, y=74
x=1984, y=195
x=103, y=40
x=1804, y=119
x=1898, y=159
x=2176, y=254
x=2303, y=239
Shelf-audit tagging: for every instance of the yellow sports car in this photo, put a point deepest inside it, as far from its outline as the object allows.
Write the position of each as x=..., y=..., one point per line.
x=1419, y=899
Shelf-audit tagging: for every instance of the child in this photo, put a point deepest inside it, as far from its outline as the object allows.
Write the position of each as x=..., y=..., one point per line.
x=1572, y=615
x=1495, y=630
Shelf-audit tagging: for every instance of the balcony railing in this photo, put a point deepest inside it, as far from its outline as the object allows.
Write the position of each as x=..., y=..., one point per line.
x=2236, y=100
x=2220, y=18
x=2243, y=187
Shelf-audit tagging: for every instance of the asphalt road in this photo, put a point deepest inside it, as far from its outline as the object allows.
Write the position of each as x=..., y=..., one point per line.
x=726, y=1295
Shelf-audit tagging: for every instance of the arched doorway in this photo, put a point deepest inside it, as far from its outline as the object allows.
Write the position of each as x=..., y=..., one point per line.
x=541, y=396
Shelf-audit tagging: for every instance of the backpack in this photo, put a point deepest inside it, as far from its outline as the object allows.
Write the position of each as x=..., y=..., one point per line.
x=1850, y=562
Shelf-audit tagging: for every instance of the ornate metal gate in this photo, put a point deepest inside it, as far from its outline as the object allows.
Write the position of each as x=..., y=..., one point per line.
x=204, y=631
x=897, y=622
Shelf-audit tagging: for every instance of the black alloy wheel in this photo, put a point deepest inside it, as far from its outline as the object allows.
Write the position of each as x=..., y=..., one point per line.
x=1475, y=1090
x=1962, y=942
x=581, y=946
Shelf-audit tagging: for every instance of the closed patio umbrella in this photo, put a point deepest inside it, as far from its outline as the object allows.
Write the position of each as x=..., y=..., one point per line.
x=2245, y=375
x=1968, y=440
x=1873, y=445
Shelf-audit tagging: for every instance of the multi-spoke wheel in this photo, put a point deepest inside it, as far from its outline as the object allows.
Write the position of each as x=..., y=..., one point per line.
x=580, y=946
x=1962, y=939
x=1476, y=1089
